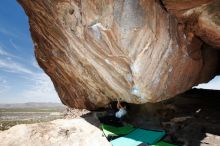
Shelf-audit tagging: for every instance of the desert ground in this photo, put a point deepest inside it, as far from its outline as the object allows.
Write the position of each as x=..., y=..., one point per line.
x=14, y=114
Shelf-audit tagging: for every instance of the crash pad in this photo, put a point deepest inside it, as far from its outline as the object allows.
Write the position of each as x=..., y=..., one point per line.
x=117, y=131
x=163, y=143
x=139, y=136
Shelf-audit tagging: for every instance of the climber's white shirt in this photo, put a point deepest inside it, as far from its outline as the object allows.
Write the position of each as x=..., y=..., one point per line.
x=120, y=113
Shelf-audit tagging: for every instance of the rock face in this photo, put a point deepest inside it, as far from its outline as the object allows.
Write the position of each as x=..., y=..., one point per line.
x=72, y=132
x=137, y=51
x=202, y=17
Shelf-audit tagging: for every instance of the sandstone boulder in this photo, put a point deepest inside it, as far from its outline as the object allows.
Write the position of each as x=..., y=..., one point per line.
x=62, y=132
x=136, y=51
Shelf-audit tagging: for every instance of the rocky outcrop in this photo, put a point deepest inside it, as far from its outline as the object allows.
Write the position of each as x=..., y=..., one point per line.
x=201, y=17
x=66, y=132
x=136, y=51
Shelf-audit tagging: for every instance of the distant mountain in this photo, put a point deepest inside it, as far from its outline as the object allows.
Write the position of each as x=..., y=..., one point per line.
x=33, y=105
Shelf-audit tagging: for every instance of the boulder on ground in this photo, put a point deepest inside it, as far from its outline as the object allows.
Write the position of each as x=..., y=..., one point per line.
x=62, y=132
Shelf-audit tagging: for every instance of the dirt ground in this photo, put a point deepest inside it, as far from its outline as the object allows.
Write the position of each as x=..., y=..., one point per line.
x=10, y=117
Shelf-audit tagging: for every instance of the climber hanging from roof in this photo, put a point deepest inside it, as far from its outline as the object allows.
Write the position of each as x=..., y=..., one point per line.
x=115, y=114
x=121, y=110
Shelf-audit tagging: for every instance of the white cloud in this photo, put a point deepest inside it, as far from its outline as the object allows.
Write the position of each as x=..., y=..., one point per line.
x=39, y=86
x=3, y=52
x=14, y=45
x=7, y=32
x=3, y=85
x=213, y=84
x=7, y=63
x=42, y=88
x=11, y=66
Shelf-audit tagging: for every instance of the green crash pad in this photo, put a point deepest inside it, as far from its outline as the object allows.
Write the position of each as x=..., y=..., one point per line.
x=116, y=131
x=162, y=143
x=139, y=136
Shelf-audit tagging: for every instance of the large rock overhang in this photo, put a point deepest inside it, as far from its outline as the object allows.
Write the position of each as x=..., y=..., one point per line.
x=137, y=51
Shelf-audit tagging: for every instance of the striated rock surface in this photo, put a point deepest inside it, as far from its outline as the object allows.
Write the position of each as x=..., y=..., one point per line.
x=72, y=132
x=137, y=51
x=202, y=17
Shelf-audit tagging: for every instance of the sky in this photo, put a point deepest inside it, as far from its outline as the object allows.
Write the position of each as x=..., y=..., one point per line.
x=21, y=79
x=213, y=84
